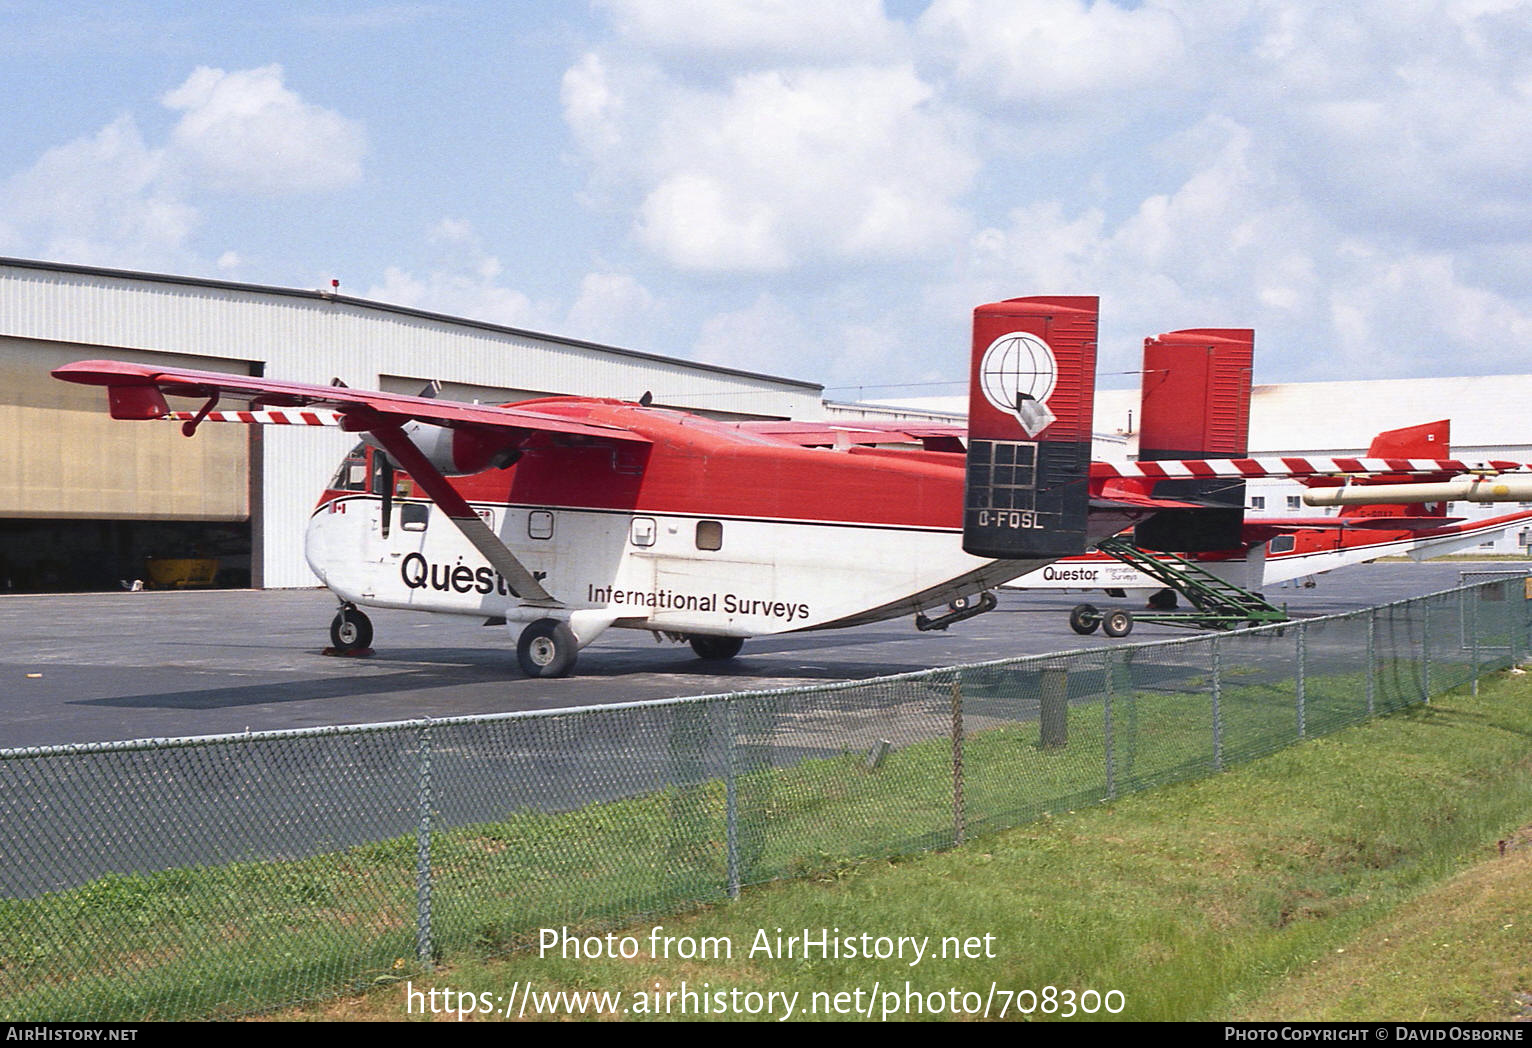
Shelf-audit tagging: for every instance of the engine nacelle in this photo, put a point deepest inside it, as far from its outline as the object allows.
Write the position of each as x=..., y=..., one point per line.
x=456, y=451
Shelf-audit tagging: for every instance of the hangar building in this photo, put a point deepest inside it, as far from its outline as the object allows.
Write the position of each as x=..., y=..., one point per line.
x=84, y=499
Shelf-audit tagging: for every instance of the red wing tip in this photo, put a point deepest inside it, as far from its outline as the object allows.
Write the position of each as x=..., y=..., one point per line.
x=103, y=373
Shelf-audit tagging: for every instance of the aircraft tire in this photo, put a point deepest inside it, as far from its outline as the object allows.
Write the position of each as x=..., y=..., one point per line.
x=1117, y=623
x=1084, y=619
x=716, y=648
x=350, y=630
x=547, y=648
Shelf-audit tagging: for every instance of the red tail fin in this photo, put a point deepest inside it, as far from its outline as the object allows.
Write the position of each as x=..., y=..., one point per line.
x=1196, y=400
x=1032, y=387
x=1196, y=405
x=1428, y=441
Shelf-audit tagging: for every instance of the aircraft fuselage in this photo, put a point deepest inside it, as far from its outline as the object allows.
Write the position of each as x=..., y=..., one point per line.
x=708, y=529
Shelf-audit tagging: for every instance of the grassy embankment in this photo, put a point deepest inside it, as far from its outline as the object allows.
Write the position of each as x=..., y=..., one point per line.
x=1354, y=877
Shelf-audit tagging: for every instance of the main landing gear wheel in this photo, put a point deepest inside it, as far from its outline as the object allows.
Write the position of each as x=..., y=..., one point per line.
x=716, y=648
x=547, y=648
x=1117, y=623
x=1084, y=619
x=350, y=630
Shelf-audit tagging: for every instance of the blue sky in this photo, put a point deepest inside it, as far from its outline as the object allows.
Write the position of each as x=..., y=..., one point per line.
x=819, y=190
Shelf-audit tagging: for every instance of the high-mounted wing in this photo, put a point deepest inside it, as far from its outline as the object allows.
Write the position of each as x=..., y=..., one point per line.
x=460, y=438
x=931, y=436
x=137, y=391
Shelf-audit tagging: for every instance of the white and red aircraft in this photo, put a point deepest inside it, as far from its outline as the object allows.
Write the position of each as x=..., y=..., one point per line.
x=1274, y=550
x=567, y=516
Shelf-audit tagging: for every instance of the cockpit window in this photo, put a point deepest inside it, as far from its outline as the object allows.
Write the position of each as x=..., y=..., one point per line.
x=352, y=475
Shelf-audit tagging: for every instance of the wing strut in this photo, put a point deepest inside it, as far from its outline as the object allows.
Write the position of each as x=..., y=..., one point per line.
x=403, y=451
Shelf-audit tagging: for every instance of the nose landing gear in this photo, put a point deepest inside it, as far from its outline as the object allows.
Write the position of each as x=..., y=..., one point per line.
x=350, y=632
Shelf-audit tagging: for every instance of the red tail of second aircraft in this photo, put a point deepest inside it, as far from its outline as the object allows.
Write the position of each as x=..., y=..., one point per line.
x=1431, y=440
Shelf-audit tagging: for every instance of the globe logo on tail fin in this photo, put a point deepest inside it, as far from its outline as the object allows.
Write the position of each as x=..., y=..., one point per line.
x=1017, y=374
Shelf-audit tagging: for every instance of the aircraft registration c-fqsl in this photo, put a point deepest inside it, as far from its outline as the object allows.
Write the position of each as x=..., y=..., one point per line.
x=567, y=516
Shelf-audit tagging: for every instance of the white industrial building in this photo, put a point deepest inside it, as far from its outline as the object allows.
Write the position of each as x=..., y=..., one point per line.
x=84, y=499
x=1331, y=419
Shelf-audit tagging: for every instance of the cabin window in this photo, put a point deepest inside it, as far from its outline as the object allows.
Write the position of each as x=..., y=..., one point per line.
x=352, y=475
x=413, y=516
x=710, y=534
x=642, y=530
x=540, y=524
x=1294, y=502
x=1258, y=502
x=1281, y=544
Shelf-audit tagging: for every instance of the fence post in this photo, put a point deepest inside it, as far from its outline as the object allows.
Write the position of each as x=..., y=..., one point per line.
x=1516, y=606
x=1508, y=620
x=1425, y=652
x=423, y=950
x=1372, y=661
x=731, y=799
x=1302, y=655
x=1217, y=703
x=1473, y=595
x=957, y=760
x=1111, y=685
x=1053, y=711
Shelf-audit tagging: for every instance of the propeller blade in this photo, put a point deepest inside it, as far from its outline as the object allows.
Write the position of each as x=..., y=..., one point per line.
x=388, y=493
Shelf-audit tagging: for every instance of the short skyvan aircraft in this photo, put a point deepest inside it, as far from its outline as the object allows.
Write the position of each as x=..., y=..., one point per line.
x=567, y=516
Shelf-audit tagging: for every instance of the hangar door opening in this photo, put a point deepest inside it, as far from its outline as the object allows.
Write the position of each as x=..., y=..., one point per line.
x=91, y=503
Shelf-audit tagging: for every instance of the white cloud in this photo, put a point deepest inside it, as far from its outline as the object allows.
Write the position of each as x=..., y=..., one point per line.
x=100, y=200
x=1312, y=170
x=113, y=199
x=757, y=32
x=1417, y=310
x=766, y=336
x=464, y=282
x=1238, y=244
x=1410, y=119
x=776, y=168
x=592, y=105
x=1056, y=51
x=614, y=308
x=246, y=132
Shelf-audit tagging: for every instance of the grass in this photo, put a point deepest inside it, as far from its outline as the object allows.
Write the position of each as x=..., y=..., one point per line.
x=1372, y=891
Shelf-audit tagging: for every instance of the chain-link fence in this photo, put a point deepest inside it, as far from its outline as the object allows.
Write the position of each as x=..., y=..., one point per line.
x=215, y=876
